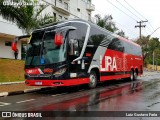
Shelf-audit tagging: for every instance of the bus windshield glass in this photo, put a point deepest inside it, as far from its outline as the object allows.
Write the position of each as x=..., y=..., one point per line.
x=42, y=50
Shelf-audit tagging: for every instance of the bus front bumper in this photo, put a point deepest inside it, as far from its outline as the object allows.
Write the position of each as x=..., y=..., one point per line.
x=56, y=83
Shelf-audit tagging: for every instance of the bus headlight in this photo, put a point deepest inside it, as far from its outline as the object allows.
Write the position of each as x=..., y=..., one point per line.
x=60, y=72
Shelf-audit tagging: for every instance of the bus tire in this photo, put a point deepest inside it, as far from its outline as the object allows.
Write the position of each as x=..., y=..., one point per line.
x=132, y=75
x=92, y=80
x=135, y=75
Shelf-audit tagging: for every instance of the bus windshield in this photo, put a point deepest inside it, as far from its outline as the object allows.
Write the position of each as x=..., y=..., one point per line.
x=42, y=50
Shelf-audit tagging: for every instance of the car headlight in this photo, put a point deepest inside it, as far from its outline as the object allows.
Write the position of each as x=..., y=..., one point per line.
x=60, y=72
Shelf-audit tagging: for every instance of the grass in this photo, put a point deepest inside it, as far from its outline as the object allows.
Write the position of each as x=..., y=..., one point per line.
x=11, y=70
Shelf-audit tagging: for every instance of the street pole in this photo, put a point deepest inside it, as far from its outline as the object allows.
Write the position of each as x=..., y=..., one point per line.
x=153, y=60
x=140, y=27
x=153, y=51
x=156, y=64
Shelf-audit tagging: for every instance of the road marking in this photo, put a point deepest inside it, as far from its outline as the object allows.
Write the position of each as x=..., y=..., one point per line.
x=4, y=104
x=59, y=94
x=25, y=101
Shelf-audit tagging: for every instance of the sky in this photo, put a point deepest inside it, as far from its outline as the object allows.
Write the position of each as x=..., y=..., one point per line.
x=147, y=9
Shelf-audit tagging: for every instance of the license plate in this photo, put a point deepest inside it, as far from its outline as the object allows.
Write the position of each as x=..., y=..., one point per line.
x=38, y=83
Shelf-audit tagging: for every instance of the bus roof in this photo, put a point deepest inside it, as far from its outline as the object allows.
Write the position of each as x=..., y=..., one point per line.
x=62, y=23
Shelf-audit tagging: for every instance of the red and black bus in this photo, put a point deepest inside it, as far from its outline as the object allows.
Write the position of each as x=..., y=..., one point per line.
x=77, y=52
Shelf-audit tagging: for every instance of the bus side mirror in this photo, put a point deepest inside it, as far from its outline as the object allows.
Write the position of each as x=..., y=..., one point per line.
x=14, y=43
x=14, y=46
x=58, y=40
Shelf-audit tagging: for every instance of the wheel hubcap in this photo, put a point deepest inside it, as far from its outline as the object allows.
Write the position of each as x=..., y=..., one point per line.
x=92, y=79
x=135, y=75
x=131, y=75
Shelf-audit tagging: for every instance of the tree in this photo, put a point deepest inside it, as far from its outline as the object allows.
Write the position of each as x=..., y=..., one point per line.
x=150, y=46
x=153, y=44
x=121, y=33
x=143, y=42
x=106, y=22
x=157, y=55
x=26, y=17
x=154, y=48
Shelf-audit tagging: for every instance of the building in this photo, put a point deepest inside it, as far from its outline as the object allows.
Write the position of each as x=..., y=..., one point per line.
x=69, y=9
x=60, y=9
x=8, y=32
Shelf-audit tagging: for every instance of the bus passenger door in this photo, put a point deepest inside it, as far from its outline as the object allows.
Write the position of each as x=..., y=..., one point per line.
x=73, y=53
x=76, y=40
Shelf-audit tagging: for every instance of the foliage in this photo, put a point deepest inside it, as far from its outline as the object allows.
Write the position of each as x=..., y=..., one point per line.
x=108, y=24
x=143, y=42
x=121, y=33
x=150, y=46
x=26, y=17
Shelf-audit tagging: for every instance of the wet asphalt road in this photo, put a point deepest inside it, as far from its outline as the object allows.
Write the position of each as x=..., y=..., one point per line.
x=140, y=95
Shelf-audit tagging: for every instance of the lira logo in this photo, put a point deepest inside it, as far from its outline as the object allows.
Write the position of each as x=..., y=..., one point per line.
x=110, y=64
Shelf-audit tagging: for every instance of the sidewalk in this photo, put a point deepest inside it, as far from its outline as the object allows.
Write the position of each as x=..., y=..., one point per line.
x=150, y=73
x=20, y=88
x=16, y=87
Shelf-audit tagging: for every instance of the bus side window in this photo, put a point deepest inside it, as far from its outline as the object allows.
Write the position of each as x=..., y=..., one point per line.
x=117, y=45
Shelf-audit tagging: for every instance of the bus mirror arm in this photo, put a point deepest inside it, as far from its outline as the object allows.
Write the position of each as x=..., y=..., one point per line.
x=83, y=58
x=58, y=40
x=14, y=43
x=67, y=28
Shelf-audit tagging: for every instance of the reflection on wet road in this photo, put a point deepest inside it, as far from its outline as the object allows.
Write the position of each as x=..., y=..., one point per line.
x=95, y=98
x=111, y=96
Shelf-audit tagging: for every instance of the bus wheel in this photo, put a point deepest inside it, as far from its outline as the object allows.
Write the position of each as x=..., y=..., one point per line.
x=132, y=75
x=135, y=75
x=92, y=80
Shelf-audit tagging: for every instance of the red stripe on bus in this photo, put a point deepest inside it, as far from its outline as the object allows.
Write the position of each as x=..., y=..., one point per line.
x=104, y=78
x=69, y=82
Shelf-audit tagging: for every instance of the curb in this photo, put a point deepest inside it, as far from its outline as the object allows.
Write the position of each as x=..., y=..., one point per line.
x=148, y=75
x=145, y=75
x=32, y=90
x=4, y=94
x=9, y=83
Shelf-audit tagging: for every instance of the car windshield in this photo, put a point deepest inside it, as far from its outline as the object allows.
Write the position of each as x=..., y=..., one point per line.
x=42, y=50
